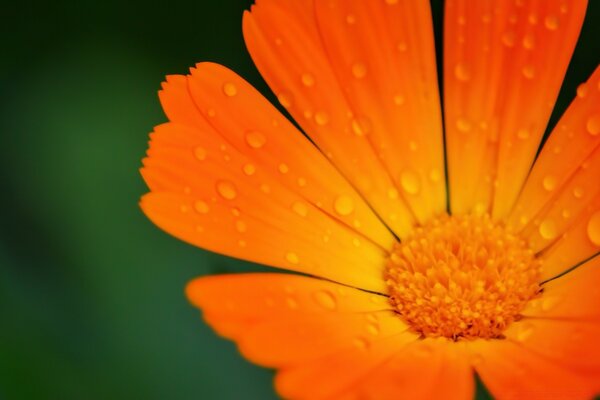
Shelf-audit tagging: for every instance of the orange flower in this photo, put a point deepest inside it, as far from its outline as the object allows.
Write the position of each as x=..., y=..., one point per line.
x=427, y=254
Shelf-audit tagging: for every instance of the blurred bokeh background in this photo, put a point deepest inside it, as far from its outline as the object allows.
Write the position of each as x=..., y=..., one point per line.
x=91, y=293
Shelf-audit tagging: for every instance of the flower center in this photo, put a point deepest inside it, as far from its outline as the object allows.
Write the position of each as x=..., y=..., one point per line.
x=462, y=277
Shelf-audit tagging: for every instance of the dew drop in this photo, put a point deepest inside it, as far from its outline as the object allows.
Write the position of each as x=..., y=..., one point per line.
x=227, y=190
x=291, y=303
x=292, y=258
x=523, y=134
x=548, y=303
x=551, y=22
x=301, y=182
x=578, y=192
x=399, y=100
x=211, y=112
x=240, y=226
x=361, y=343
x=249, y=169
x=300, y=208
x=524, y=332
x=283, y=168
x=325, y=299
x=285, y=99
x=582, y=90
x=508, y=39
x=308, y=80
x=350, y=19
x=434, y=175
x=593, y=125
x=229, y=89
x=461, y=72
x=392, y=193
x=463, y=125
x=409, y=181
x=200, y=153
x=321, y=118
x=548, y=229
x=391, y=2
x=359, y=70
x=201, y=207
x=373, y=329
x=529, y=41
x=255, y=139
x=184, y=208
x=361, y=126
x=549, y=183
x=343, y=205
x=528, y=71
x=593, y=228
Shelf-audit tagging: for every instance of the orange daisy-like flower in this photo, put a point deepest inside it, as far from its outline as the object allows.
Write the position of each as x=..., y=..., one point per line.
x=429, y=249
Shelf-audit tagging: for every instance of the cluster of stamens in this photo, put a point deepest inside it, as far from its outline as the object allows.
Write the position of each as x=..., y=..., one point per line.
x=462, y=277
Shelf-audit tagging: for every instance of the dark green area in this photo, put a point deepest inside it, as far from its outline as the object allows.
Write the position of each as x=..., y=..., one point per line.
x=91, y=293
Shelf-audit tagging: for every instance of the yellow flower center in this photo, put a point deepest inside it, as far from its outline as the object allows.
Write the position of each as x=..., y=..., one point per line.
x=462, y=277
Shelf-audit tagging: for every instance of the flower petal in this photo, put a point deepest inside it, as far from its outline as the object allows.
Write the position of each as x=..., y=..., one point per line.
x=503, y=67
x=311, y=328
x=264, y=193
x=383, y=55
x=426, y=369
x=510, y=371
x=285, y=44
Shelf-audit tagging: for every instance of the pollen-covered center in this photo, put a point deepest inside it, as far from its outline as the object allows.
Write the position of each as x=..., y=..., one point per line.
x=461, y=277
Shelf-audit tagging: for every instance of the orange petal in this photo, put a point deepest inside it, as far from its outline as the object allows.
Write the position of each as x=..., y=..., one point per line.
x=253, y=194
x=503, y=67
x=286, y=46
x=426, y=369
x=578, y=243
x=512, y=371
x=300, y=323
x=383, y=55
x=564, y=323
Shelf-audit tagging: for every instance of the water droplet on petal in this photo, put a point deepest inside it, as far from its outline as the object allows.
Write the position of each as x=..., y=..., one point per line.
x=229, y=89
x=291, y=303
x=393, y=193
x=359, y=70
x=255, y=139
x=350, y=19
x=361, y=126
x=435, y=175
x=249, y=169
x=524, y=332
x=240, y=226
x=578, y=192
x=201, y=207
x=549, y=302
x=292, y=258
x=321, y=118
x=551, y=22
x=344, y=205
x=548, y=229
x=308, y=80
x=391, y=2
x=361, y=343
x=523, y=134
x=593, y=228
x=528, y=71
x=549, y=183
x=227, y=190
x=508, y=39
x=593, y=125
x=399, y=100
x=463, y=125
x=409, y=181
x=300, y=208
x=325, y=299
x=283, y=168
x=373, y=329
x=200, y=153
x=285, y=99
x=461, y=72
x=529, y=41
x=582, y=90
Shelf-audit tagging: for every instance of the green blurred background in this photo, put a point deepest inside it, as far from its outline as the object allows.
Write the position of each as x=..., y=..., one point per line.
x=91, y=293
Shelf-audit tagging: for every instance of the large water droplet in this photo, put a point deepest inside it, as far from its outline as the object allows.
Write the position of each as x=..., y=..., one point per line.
x=548, y=229
x=201, y=207
x=359, y=70
x=593, y=125
x=325, y=299
x=593, y=228
x=343, y=205
x=227, y=190
x=229, y=89
x=255, y=139
x=409, y=181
